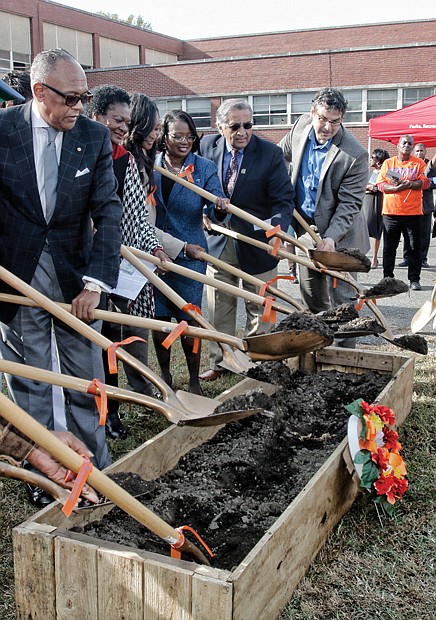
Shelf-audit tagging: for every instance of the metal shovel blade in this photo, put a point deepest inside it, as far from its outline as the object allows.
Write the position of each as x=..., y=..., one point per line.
x=339, y=261
x=425, y=314
x=284, y=344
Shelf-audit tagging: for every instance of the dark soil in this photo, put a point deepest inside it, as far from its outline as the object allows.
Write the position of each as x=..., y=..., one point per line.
x=344, y=312
x=364, y=325
x=413, y=342
x=233, y=488
x=387, y=287
x=355, y=253
x=305, y=322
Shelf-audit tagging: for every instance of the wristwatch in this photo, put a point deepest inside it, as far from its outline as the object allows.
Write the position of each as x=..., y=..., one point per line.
x=92, y=287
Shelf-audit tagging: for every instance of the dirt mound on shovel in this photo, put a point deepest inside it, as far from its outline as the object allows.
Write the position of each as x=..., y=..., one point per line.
x=387, y=287
x=413, y=342
x=233, y=488
x=344, y=312
x=355, y=253
x=304, y=322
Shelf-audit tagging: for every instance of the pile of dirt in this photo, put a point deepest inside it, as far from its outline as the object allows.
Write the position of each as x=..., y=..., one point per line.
x=413, y=342
x=362, y=325
x=387, y=287
x=304, y=322
x=233, y=488
x=355, y=253
x=339, y=314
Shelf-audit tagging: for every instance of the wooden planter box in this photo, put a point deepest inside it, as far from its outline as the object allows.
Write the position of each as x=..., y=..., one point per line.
x=60, y=574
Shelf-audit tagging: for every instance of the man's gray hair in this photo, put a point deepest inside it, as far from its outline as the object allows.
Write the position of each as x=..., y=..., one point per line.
x=228, y=105
x=331, y=98
x=44, y=64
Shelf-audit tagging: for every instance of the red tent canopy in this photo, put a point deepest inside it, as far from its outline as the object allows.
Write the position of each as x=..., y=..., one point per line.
x=418, y=120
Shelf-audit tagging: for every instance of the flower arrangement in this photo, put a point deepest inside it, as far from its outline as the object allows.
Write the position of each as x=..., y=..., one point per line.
x=383, y=469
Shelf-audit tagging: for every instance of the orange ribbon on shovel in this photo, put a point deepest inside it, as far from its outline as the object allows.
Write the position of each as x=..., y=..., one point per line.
x=100, y=399
x=79, y=483
x=112, y=352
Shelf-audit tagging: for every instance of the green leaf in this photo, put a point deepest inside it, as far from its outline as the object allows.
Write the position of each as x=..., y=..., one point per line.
x=354, y=407
x=370, y=473
x=362, y=457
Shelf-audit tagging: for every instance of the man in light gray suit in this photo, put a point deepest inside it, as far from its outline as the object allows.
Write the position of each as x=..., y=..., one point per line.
x=329, y=169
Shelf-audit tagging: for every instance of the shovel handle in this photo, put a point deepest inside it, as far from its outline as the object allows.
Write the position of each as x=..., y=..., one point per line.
x=243, y=215
x=82, y=328
x=305, y=225
x=223, y=286
x=97, y=479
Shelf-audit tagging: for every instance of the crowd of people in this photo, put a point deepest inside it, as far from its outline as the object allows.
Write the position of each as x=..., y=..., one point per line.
x=77, y=180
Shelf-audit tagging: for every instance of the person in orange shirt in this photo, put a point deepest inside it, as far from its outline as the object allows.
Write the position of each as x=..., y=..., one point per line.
x=402, y=179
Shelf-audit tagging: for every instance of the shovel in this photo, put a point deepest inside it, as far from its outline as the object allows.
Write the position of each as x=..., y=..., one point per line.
x=273, y=346
x=185, y=407
x=97, y=479
x=425, y=314
x=333, y=259
x=338, y=260
x=403, y=341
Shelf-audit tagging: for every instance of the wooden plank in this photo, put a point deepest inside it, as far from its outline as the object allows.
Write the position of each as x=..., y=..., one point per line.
x=167, y=591
x=212, y=598
x=398, y=393
x=76, y=580
x=35, y=595
x=120, y=585
x=265, y=580
x=349, y=359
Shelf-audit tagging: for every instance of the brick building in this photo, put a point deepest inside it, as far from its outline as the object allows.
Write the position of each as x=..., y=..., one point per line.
x=380, y=67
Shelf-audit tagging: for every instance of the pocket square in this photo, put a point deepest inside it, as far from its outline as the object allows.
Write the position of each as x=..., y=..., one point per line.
x=80, y=173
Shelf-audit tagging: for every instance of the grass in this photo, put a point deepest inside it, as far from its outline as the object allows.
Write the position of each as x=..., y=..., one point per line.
x=367, y=570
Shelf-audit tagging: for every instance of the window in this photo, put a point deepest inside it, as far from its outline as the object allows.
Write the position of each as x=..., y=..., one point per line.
x=354, y=110
x=15, y=42
x=300, y=104
x=380, y=102
x=169, y=104
x=413, y=95
x=117, y=54
x=78, y=43
x=199, y=109
x=153, y=57
x=270, y=110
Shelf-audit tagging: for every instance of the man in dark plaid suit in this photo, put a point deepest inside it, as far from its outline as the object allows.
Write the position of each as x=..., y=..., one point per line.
x=55, y=249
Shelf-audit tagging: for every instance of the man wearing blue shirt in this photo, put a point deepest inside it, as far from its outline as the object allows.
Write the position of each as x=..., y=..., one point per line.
x=329, y=169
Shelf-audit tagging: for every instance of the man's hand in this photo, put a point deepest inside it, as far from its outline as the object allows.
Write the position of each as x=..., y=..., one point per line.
x=194, y=251
x=84, y=304
x=326, y=245
x=47, y=465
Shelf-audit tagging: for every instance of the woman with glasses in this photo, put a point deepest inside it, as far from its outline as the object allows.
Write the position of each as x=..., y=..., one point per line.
x=179, y=212
x=110, y=106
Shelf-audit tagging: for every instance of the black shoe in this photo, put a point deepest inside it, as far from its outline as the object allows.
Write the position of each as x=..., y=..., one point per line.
x=114, y=427
x=38, y=497
x=404, y=263
x=415, y=286
x=425, y=264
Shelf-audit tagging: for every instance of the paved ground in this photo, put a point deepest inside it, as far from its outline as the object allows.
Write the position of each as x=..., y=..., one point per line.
x=398, y=310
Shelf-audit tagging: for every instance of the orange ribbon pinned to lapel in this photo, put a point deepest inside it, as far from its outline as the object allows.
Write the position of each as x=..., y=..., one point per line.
x=187, y=172
x=151, y=200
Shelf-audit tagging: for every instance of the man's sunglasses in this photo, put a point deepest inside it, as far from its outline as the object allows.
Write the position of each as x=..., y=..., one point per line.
x=71, y=100
x=236, y=126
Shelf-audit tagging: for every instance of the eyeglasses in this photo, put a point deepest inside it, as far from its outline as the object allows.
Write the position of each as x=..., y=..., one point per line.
x=177, y=138
x=236, y=126
x=325, y=121
x=71, y=100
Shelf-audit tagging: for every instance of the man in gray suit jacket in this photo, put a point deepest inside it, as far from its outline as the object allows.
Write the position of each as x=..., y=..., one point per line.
x=64, y=242
x=260, y=185
x=329, y=169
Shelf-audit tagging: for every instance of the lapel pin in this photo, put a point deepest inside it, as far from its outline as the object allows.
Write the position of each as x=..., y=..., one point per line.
x=78, y=149
x=243, y=171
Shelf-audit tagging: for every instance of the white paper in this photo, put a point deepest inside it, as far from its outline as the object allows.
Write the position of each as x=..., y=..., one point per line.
x=130, y=280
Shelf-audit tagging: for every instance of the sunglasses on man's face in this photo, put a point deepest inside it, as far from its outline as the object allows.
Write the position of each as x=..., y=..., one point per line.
x=236, y=126
x=71, y=100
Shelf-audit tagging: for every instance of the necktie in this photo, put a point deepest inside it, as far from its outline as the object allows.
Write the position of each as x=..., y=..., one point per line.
x=50, y=172
x=231, y=175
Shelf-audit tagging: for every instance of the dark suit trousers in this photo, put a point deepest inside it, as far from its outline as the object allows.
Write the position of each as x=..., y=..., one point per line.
x=27, y=339
x=410, y=226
